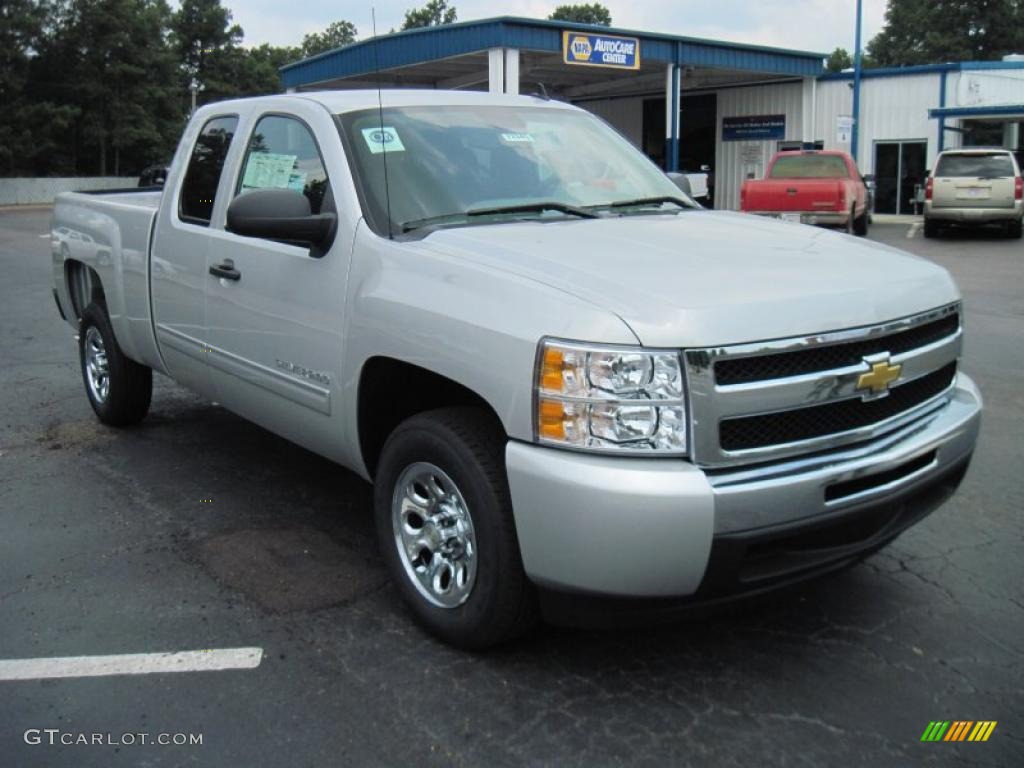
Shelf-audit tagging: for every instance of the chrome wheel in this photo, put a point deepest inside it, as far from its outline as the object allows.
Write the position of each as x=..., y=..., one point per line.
x=434, y=535
x=97, y=369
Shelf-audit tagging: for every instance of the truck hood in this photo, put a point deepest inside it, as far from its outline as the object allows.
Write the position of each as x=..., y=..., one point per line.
x=708, y=278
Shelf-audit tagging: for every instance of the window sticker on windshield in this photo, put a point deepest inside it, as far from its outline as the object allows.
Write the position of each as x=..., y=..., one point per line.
x=383, y=138
x=517, y=138
x=265, y=170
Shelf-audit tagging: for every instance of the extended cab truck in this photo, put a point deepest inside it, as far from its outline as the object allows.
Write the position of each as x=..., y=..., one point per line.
x=569, y=384
x=811, y=187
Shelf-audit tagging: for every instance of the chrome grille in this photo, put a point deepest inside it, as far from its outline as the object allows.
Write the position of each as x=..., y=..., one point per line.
x=780, y=398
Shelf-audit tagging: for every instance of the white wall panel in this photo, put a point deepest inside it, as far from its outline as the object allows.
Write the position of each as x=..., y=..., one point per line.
x=626, y=114
x=892, y=109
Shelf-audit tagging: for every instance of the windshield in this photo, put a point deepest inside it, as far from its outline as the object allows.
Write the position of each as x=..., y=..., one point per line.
x=456, y=165
x=809, y=167
x=975, y=165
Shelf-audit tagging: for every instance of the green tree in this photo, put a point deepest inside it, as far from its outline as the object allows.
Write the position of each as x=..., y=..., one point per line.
x=930, y=31
x=201, y=33
x=838, y=60
x=22, y=30
x=108, y=60
x=336, y=35
x=583, y=13
x=434, y=13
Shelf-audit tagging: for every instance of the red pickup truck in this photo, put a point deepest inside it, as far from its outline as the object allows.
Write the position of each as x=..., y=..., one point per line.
x=820, y=187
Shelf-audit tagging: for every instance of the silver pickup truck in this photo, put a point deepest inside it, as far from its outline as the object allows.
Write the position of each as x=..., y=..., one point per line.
x=578, y=394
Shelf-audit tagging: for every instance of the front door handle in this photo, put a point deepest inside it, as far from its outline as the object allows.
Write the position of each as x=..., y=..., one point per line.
x=226, y=269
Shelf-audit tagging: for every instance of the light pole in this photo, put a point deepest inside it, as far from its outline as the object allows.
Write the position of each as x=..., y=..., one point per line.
x=855, y=132
x=194, y=87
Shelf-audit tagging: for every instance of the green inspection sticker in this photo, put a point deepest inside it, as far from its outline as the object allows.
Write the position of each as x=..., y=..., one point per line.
x=383, y=138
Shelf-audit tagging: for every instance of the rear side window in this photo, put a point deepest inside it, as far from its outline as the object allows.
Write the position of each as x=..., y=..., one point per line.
x=993, y=165
x=809, y=167
x=199, y=190
x=283, y=155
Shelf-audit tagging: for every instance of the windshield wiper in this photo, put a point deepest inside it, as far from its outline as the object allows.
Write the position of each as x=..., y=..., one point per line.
x=409, y=226
x=572, y=210
x=659, y=200
x=539, y=207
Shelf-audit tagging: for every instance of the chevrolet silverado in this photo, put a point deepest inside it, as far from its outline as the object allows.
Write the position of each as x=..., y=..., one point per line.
x=573, y=389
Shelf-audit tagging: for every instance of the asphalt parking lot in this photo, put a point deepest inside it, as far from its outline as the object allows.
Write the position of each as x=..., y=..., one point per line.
x=200, y=531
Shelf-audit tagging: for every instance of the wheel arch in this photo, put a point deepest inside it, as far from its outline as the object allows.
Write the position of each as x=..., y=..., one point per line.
x=391, y=390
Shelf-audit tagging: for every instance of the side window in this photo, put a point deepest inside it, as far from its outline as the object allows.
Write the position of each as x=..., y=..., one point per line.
x=199, y=190
x=283, y=155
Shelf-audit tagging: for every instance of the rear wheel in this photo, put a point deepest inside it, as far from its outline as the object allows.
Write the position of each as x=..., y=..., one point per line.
x=849, y=223
x=1015, y=229
x=860, y=225
x=119, y=389
x=931, y=228
x=446, y=531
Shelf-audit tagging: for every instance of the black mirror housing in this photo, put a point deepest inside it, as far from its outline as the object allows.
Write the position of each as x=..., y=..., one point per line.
x=283, y=215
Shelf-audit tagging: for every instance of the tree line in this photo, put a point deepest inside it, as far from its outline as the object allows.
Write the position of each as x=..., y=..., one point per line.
x=935, y=31
x=104, y=87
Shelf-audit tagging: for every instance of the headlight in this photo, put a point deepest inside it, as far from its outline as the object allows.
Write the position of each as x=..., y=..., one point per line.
x=610, y=398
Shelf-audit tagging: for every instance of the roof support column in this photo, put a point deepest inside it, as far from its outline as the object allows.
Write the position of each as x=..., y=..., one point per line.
x=672, y=117
x=496, y=70
x=942, y=103
x=810, y=111
x=512, y=71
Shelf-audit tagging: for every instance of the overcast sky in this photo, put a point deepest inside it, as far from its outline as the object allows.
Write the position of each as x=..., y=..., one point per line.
x=814, y=25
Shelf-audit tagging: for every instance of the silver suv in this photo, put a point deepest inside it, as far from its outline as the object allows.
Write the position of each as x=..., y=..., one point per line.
x=974, y=186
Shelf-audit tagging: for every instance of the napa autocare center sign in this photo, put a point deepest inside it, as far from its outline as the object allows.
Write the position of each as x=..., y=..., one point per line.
x=753, y=127
x=596, y=50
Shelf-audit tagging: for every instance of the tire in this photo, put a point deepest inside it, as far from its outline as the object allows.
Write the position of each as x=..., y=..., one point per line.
x=860, y=225
x=850, y=225
x=119, y=389
x=1015, y=229
x=931, y=228
x=461, y=453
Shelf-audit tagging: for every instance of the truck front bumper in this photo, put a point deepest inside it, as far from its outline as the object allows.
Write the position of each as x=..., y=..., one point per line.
x=664, y=528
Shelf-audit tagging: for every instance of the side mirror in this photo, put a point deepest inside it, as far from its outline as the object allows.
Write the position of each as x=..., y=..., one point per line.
x=869, y=180
x=283, y=215
x=681, y=181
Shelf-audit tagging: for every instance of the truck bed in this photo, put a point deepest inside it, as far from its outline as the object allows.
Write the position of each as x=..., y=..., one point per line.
x=109, y=233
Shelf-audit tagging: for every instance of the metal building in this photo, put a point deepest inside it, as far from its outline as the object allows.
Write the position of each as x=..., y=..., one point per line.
x=691, y=103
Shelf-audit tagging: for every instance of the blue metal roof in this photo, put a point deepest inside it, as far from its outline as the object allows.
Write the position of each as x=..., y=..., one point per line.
x=1001, y=111
x=418, y=46
x=925, y=69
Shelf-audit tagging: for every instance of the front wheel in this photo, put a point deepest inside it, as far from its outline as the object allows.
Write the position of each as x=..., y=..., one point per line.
x=119, y=389
x=446, y=531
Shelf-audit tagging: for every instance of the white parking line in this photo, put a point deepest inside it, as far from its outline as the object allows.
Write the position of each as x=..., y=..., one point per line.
x=46, y=235
x=131, y=664
x=914, y=229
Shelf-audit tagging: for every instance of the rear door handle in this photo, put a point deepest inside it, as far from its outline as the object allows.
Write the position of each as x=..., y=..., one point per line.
x=226, y=269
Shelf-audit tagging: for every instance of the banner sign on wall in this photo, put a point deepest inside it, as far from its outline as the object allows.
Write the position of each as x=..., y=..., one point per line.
x=750, y=127
x=601, y=50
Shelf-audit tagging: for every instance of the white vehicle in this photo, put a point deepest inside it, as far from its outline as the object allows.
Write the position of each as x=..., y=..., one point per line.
x=974, y=186
x=570, y=385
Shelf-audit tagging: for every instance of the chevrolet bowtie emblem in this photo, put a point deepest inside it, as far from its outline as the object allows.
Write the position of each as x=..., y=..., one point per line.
x=877, y=380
